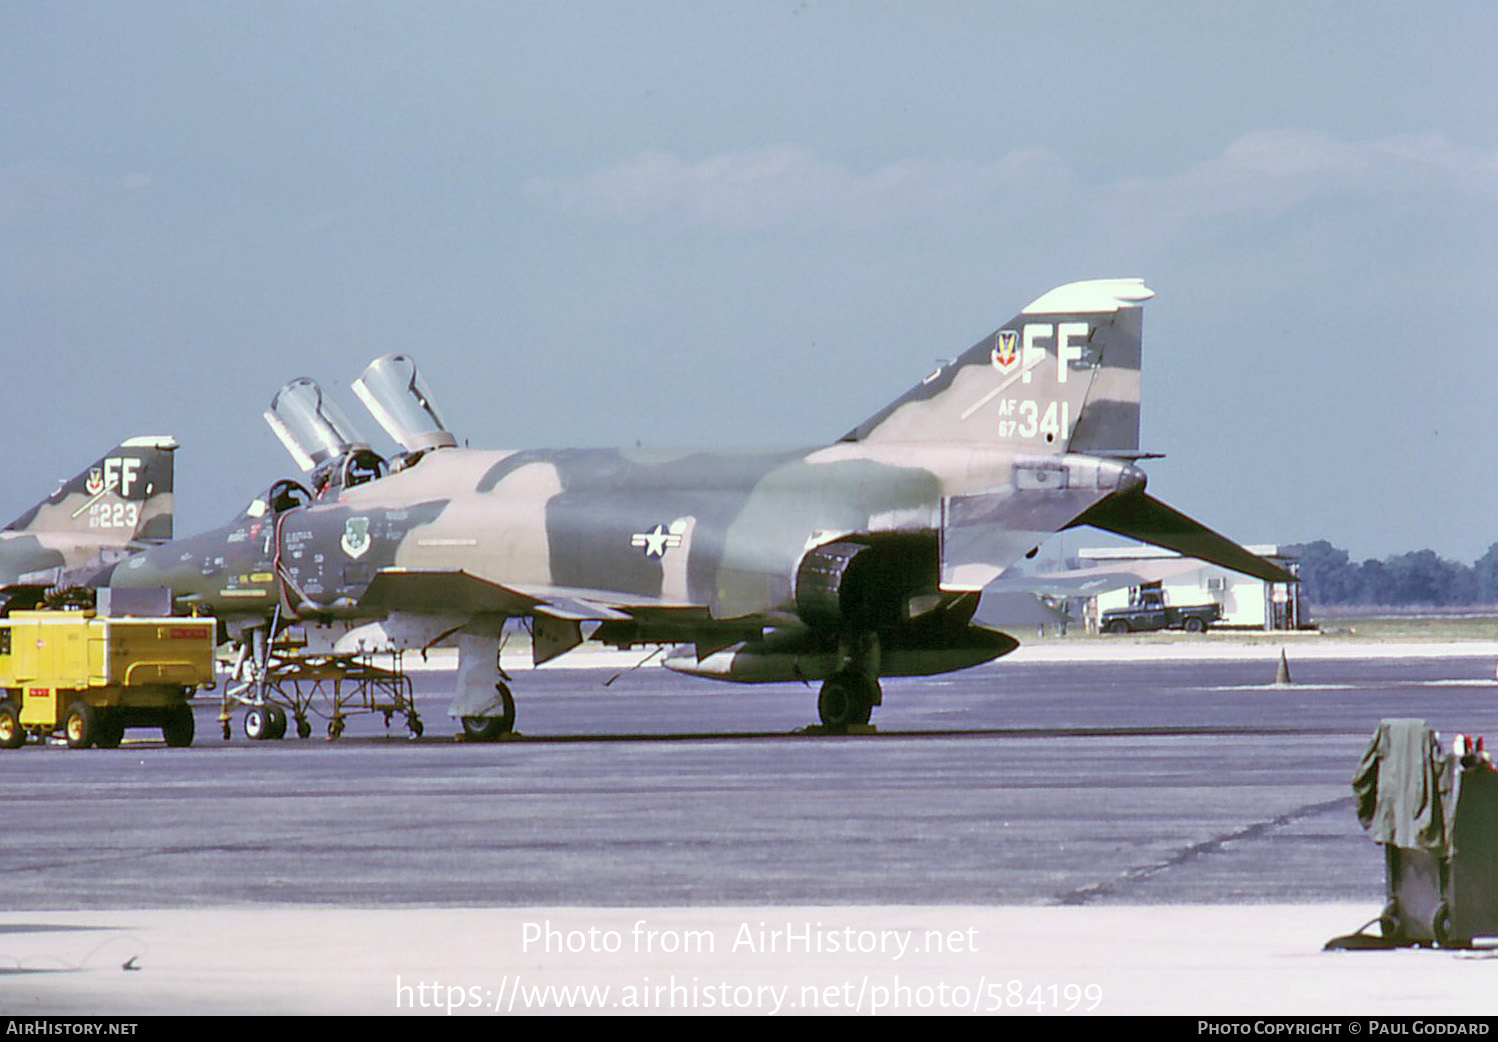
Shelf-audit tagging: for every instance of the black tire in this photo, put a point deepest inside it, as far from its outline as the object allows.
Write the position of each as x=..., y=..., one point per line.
x=81, y=725
x=1116, y=626
x=12, y=734
x=1195, y=624
x=1441, y=927
x=1388, y=922
x=846, y=700
x=488, y=728
x=277, y=722
x=257, y=726
x=178, y=728
x=303, y=727
x=867, y=689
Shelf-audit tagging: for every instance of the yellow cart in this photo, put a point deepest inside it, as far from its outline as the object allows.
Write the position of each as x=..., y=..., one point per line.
x=91, y=677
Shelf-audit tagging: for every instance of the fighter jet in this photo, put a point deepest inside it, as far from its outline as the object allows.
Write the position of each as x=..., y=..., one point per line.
x=115, y=506
x=842, y=563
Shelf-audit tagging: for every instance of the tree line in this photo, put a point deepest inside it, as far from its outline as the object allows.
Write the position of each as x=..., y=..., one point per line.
x=1420, y=577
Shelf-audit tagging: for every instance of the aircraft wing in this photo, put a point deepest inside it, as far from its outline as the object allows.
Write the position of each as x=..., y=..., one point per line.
x=1138, y=515
x=459, y=592
x=440, y=592
x=557, y=613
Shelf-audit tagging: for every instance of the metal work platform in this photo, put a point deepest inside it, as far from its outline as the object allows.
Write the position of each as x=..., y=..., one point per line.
x=304, y=685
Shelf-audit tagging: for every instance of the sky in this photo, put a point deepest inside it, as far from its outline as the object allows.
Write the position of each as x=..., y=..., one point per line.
x=724, y=224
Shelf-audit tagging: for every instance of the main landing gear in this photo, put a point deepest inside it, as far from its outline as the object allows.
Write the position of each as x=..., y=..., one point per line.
x=490, y=728
x=849, y=695
x=846, y=700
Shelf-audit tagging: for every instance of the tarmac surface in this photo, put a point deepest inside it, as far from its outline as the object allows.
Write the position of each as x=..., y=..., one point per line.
x=1105, y=828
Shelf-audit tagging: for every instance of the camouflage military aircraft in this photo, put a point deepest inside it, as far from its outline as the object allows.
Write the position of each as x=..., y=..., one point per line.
x=843, y=563
x=117, y=505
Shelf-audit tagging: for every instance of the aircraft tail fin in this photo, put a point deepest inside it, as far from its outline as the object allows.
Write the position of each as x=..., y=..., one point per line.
x=124, y=496
x=1061, y=376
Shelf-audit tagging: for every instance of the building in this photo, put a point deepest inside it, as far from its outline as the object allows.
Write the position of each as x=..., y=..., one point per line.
x=1247, y=603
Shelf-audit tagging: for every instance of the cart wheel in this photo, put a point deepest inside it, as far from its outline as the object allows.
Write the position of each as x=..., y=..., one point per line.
x=177, y=727
x=81, y=725
x=228, y=729
x=303, y=727
x=276, y=722
x=12, y=734
x=257, y=723
x=335, y=728
x=414, y=725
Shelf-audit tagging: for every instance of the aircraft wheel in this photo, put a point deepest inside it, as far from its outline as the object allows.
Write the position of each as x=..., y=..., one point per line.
x=276, y=722
x=81, y=725
x=1195, y=625
x=257, y=723
x=481, y=728
x=1441, y=927
x=12, y=734
x=177, y=728
x=846, y=699
x=488, y=728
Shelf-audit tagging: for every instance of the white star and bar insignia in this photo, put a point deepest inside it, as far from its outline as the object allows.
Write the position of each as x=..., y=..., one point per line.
x=659, y=539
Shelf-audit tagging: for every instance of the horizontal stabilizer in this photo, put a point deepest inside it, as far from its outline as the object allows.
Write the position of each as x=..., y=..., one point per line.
x=1138, y=515
x=1010, y=609
x=1090, y=582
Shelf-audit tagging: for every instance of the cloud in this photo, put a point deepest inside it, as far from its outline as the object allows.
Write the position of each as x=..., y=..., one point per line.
x=1273, y=172
x=785, y=185
x=1266, y=172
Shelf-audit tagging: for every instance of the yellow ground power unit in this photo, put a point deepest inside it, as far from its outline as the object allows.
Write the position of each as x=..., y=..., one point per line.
x=91, y=677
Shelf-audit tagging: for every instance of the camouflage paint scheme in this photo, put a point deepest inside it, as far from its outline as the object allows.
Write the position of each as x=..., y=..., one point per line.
x=110, y=509
x=845, y=562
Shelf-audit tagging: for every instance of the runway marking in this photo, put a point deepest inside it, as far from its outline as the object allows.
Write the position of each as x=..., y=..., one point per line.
x=1083, y=895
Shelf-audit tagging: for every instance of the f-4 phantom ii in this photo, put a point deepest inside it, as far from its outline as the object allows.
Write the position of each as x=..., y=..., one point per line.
x=843, y=563
x=117, y=505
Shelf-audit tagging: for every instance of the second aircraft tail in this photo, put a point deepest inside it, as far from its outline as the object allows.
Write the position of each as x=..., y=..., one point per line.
x=124, y=496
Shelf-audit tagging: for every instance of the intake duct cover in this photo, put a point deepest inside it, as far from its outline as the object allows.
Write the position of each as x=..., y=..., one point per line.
x=863, y=586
